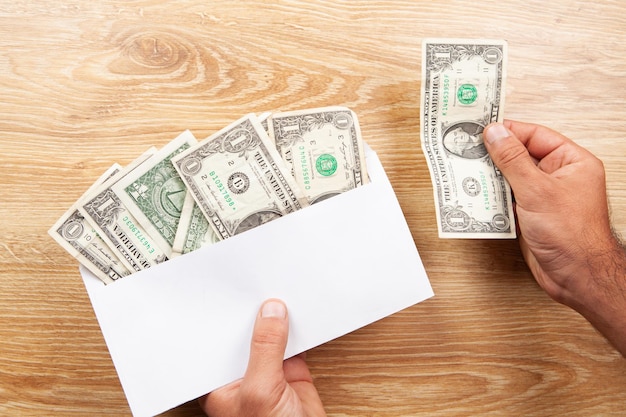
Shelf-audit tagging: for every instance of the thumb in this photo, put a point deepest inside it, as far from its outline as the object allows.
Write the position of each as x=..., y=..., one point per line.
x=267, y=348
x=510, y=156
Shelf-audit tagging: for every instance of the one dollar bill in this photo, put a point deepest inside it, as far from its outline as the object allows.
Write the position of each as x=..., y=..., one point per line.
x=154, y=193
x=462, y=92
x=238, y=179
x=116, y=225
x=79, y=238
x=323, y=149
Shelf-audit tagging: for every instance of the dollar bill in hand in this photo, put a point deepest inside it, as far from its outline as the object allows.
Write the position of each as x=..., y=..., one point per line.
x=323, y=149
x=462, y=92
x=238, y=179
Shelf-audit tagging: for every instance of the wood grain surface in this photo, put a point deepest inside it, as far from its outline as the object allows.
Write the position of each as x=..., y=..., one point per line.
x=88, y=83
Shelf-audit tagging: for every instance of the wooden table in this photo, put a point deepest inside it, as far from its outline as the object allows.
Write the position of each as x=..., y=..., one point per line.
x=88, y=83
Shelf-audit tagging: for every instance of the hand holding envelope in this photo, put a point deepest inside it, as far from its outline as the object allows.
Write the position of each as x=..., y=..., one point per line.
x=353, y=254
x=271, y=386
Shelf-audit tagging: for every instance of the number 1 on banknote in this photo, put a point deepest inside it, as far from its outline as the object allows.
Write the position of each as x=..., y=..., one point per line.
x=462, y=92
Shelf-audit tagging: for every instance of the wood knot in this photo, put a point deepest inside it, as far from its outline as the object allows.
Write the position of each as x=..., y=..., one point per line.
x=151, y=55
x=155, y=52
x=148, y=53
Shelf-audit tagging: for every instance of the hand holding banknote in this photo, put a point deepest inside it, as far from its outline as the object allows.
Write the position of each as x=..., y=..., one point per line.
x=462, y=92
x=565, y=232
x=565, y=237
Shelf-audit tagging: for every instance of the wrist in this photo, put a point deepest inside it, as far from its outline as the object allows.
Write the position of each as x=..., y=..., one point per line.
x=602, y=301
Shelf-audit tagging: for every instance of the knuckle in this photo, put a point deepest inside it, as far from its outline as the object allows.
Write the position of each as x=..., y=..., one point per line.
x=598, y=167
x=269, y=339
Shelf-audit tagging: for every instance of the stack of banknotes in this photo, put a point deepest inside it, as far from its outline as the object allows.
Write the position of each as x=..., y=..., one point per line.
x=189, y=194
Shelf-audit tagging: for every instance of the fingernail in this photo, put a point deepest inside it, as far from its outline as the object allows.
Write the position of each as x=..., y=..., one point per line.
x=273, y=308
x=496, y=132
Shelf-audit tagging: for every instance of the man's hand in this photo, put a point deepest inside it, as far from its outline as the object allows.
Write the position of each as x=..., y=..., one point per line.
x=563, y=218
x=271, y=386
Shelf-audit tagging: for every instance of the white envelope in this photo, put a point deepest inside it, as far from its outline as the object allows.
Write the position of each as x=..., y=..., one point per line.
x=181, y=329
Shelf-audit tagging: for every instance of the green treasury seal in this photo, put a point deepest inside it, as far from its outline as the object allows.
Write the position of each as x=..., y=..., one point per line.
x=326, y=164
x=467, y=93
